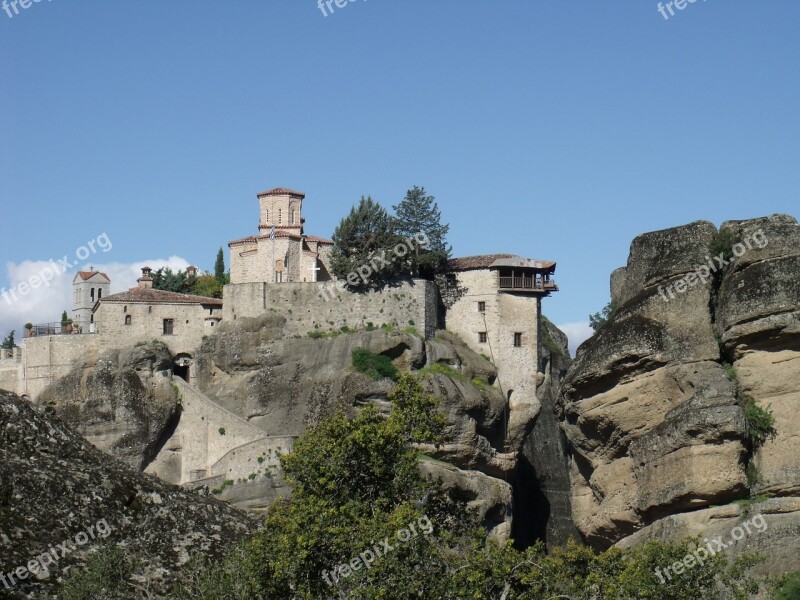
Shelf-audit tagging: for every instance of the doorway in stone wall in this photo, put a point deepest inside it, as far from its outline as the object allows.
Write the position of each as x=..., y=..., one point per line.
x=182, y=367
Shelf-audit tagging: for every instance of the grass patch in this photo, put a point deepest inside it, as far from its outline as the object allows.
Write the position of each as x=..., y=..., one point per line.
x=376, y=366
x=225, y=485
x=442, y=369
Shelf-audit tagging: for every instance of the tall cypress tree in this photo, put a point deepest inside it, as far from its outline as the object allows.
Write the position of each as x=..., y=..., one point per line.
x=418, y=214
x=219, y=267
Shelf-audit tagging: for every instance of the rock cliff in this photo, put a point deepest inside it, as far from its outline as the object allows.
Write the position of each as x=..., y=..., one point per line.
x=655, y=406
x=56, y=488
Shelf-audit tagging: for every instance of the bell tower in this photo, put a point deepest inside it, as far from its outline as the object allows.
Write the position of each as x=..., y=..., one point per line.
x=281, y=208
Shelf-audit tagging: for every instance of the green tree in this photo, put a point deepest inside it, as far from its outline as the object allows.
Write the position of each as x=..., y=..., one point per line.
x=219, y=268
x=8, y=341
x=417, y=217
x=598, y=319
x=165, y=279
x=364, y=240
x=208, y=286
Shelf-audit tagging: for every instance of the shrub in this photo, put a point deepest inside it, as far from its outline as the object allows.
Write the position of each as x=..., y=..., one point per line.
x=760, y=424
x=222, y=431
x=376, y=366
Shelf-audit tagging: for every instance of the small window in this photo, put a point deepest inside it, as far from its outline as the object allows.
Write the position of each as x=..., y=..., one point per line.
x=150, y=310
x=99, y=294
x=292, y=216
x=124, y=309
x=517, y=340
x=482, y=307
x=266, y=215
x=482, y=337
x=127, y=319
x=280, y=216
x=168, y=326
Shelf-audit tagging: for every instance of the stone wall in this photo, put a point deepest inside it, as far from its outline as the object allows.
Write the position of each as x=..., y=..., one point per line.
x=205, y=434
x=505, y=314
x=48, y=358
x=11, y=370
x=323, y=307
x=147, y=324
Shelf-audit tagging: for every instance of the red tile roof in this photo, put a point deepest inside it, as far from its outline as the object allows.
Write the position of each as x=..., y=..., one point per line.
x=313, y=238
x=486, y=261
x=151, y=296
x=89, y=274
x=474, y=262
x=280, y=191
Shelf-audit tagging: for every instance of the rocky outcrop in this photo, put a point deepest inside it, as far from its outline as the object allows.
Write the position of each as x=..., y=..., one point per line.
x=56, y=489
x=124, y=402
x=542, y=484
x=654, y=404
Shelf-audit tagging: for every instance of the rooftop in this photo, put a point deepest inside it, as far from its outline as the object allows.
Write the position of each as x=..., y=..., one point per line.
x=281, y=191
x=86, y=275
x=486, y=261
x=151, y=296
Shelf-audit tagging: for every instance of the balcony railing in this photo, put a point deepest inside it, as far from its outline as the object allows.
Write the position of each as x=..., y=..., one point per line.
x=528, y=284
x=75, y=328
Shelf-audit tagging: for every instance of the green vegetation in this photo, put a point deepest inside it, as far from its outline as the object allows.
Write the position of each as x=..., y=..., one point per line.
x=760, y=423
x=598, y=319
x=225, y=485
x=366, y=233
x=418, y=218
x=788, y=587
x=479, y=383
x=8, y=341
x=356, y=481
x=376, y=366
x=222, y=431
x=219, y=269
x=104, y=576
x=486, y=357
x=442, y=369
x=723, y=243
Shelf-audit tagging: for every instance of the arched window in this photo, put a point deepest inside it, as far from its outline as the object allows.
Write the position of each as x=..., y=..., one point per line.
x=99, y=294
x=127, y=319
x=124, y=309
x=91, y=294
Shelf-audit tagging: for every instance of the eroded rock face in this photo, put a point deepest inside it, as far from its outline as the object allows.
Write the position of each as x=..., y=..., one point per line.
x=285, y=385
x=54, y=486
x=653, y=405
x=123, y=402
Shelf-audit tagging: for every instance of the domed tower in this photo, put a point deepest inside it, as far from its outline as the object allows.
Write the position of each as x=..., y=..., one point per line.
x=281, y=208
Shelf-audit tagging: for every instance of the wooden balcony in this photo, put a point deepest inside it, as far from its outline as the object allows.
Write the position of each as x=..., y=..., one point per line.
x=528, y=284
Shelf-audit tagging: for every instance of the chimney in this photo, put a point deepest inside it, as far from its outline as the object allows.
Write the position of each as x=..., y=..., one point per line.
x=146, y=281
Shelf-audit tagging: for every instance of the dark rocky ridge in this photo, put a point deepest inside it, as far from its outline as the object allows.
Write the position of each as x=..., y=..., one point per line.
x=55, y=485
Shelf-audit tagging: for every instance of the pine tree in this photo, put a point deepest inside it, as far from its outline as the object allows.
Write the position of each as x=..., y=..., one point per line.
x=8, y=342
x=362, y=242
x=219, y=268
x=418, y=216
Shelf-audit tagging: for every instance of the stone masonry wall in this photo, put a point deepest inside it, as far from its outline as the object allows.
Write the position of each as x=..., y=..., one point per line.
x=325, y=306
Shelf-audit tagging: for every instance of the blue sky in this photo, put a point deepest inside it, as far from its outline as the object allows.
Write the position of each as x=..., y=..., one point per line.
x=555, y=130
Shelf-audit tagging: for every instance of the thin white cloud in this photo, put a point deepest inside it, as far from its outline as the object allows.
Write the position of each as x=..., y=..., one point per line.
x=44, y=302
x=577, y=333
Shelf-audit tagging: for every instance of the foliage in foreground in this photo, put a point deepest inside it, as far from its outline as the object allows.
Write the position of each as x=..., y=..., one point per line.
x=357, y=484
